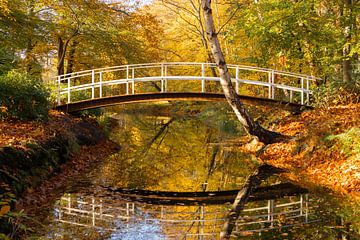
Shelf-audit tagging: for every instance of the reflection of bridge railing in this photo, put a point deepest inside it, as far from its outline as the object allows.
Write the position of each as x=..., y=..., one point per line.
x=130, y=75
x=182, y=221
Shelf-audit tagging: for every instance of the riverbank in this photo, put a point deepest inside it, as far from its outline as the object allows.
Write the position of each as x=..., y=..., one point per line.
x=324, y=148
x=38, y=158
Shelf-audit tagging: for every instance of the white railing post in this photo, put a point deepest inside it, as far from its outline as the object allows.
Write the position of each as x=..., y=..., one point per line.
x=68, y=88
x=302, y=91
x=93, y=211
x=237, y=78
x=202, y=222
x=162, y=77
x=306, y=208
x=308, y=91
x=203, y=77
x=165, y=80
x=133, y=80
x=127, y=79
x=272, y=84
x=69, y=203
x=59, y=91
x=271, y=212
x=100, y=89
x=269, y=80
x=93, y=84
x=101, y=209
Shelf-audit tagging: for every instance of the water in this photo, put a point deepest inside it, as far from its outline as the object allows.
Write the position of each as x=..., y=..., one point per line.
x=184, y=151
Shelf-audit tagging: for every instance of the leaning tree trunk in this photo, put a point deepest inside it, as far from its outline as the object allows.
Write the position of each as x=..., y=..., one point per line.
x=242, y=114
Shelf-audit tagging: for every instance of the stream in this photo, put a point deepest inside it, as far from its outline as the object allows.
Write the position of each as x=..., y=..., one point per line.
x=138, y=193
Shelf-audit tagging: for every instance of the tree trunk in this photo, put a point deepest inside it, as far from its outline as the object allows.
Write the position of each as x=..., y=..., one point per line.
x=62, y=48
x=347, y=47
x=60, y=57
x=71, y=59
x=242, y=114
x=262, y=173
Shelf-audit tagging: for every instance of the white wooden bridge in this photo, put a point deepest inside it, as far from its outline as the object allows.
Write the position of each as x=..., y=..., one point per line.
x=179, y=80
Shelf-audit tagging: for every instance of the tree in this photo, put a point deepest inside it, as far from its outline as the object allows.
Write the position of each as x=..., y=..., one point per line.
x=252, y=127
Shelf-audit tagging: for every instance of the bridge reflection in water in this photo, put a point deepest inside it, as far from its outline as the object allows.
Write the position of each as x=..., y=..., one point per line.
x=122, y=218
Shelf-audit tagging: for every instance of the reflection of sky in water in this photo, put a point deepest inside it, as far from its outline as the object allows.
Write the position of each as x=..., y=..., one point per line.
x=137, y=230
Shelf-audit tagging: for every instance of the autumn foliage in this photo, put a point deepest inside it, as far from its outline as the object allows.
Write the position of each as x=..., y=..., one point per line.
x=324, y=148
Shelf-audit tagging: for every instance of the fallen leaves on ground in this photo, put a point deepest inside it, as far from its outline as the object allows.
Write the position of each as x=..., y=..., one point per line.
x=17, y=133
x=309, y=155
x=52, y=189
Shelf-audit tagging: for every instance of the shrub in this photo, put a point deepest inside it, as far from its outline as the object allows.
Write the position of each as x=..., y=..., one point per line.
x=337, y=93
x=23, y=97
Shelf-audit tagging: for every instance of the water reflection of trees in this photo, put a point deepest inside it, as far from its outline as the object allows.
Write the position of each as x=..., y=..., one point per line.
x=176, y=153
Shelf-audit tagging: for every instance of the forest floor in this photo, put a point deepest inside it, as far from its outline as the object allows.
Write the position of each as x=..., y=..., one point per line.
x=324, y=148
x=17, y=134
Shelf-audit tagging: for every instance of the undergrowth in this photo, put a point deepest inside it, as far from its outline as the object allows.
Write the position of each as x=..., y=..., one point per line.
x=348, y=142
x=337, y=93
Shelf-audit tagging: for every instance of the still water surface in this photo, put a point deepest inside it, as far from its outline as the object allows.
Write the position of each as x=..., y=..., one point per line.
x=174, y=152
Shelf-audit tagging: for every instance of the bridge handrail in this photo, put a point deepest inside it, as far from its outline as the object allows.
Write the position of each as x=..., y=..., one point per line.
x=143, y=65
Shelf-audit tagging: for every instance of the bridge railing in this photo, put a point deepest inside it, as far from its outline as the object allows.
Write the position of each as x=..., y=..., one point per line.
x=183, y=221
x=198, y=77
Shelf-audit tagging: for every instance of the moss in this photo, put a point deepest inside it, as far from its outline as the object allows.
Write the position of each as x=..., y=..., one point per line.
x=348, y=142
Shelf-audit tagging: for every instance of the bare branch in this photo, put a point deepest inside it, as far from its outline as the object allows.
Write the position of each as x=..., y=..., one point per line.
x=229, y=19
